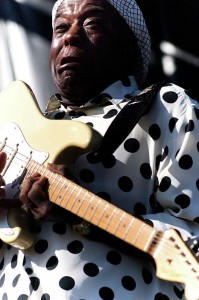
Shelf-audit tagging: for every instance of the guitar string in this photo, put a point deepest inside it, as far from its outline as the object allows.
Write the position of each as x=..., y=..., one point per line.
x=41, y=169
x=156, y=240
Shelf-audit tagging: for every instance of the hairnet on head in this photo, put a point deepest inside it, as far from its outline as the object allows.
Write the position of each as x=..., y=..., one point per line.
x=131, y=13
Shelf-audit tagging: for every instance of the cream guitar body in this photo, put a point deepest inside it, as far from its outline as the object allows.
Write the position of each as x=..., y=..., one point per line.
x=30, y=141
x=25, y=135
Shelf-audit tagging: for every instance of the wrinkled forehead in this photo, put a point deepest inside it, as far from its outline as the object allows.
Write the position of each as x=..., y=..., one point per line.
x=68, y=7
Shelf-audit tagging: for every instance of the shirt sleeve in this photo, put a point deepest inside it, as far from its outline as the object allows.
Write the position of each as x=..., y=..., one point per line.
x=177, y=191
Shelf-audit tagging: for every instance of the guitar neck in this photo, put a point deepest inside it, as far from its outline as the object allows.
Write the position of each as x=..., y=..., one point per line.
x=95, y=210
x=173, y=259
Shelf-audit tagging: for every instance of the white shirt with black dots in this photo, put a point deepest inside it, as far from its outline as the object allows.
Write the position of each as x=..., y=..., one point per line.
x=153, y=174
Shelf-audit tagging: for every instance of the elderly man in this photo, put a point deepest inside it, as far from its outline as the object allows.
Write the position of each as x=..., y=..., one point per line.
x=99, y=59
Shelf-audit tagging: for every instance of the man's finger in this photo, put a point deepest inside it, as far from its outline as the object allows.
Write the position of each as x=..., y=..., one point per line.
x=3, y=158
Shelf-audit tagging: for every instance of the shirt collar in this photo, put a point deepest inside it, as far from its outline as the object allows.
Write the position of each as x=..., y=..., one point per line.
x=115, y=93
x=118, y=91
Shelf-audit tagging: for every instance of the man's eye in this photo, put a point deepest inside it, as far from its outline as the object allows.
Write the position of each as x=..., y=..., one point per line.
x=93, y=24
x=61, y=28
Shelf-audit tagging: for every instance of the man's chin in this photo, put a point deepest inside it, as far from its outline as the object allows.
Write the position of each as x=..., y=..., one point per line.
x=74, y=94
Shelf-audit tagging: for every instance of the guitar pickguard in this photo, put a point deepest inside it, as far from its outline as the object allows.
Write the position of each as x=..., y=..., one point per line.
x=19, y=153
x=14, y=227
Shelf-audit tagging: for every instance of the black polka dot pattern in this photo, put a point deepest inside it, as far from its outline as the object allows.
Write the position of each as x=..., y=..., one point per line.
x=165, y=184
x=110, y=114
x=131, y=145
x=45, y=297
x=154, y=131
x=160, y=296
x=190, y=126
x=139, y=209
x=179, y=293
x=22, y=297
x=125, y=184
x=170, y=97
x=91, y=269
x=128, y=283
x=153, y=169
x=114, y=257
x=59, y=228
x=66, y=283
x=182, y=200
x=52, y=263
x=147, y=276
x=34, y=282
x=106, y=293
x=104, y=195
x=146, y=171
x=14, y=261
x=75, y=247
x=87, y=176
x=15, y=281
x=172, y=123
x=186, y=162
x=165, y=153
x=41, y=246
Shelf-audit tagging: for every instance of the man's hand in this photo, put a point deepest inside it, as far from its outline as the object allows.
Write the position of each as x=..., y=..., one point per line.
x=34, y=195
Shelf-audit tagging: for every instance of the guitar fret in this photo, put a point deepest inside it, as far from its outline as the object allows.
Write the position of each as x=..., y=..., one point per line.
x=119, y=223
x=149, y=241
x=35, y=167
x=54, y=192
x=69, y=200
x=86, y=215
x=81, y=202
x=58, y=197
x=51, y=176
x=109, y=218
x=96, y=207
x=41, y=169
x=138, y=233
x=77, y=202
x=31, y=168
x=144, y=235
x=132, y=221
x=106, y=218
x=106, y=205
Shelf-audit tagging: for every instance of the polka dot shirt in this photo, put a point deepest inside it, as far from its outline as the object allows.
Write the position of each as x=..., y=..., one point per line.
x=153, y=175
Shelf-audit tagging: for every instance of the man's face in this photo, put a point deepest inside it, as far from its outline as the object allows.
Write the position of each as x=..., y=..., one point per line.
x=85, y=52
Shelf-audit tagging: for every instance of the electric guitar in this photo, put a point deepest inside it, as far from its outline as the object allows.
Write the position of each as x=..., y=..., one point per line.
x=30, y=141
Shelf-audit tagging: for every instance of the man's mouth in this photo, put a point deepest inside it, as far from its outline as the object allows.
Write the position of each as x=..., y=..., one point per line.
x=69, y=64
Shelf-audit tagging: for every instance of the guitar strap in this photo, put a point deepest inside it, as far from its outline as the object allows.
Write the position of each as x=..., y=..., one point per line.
x=127, y=118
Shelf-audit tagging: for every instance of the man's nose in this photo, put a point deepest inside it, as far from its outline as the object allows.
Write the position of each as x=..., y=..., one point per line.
x=74, y=35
